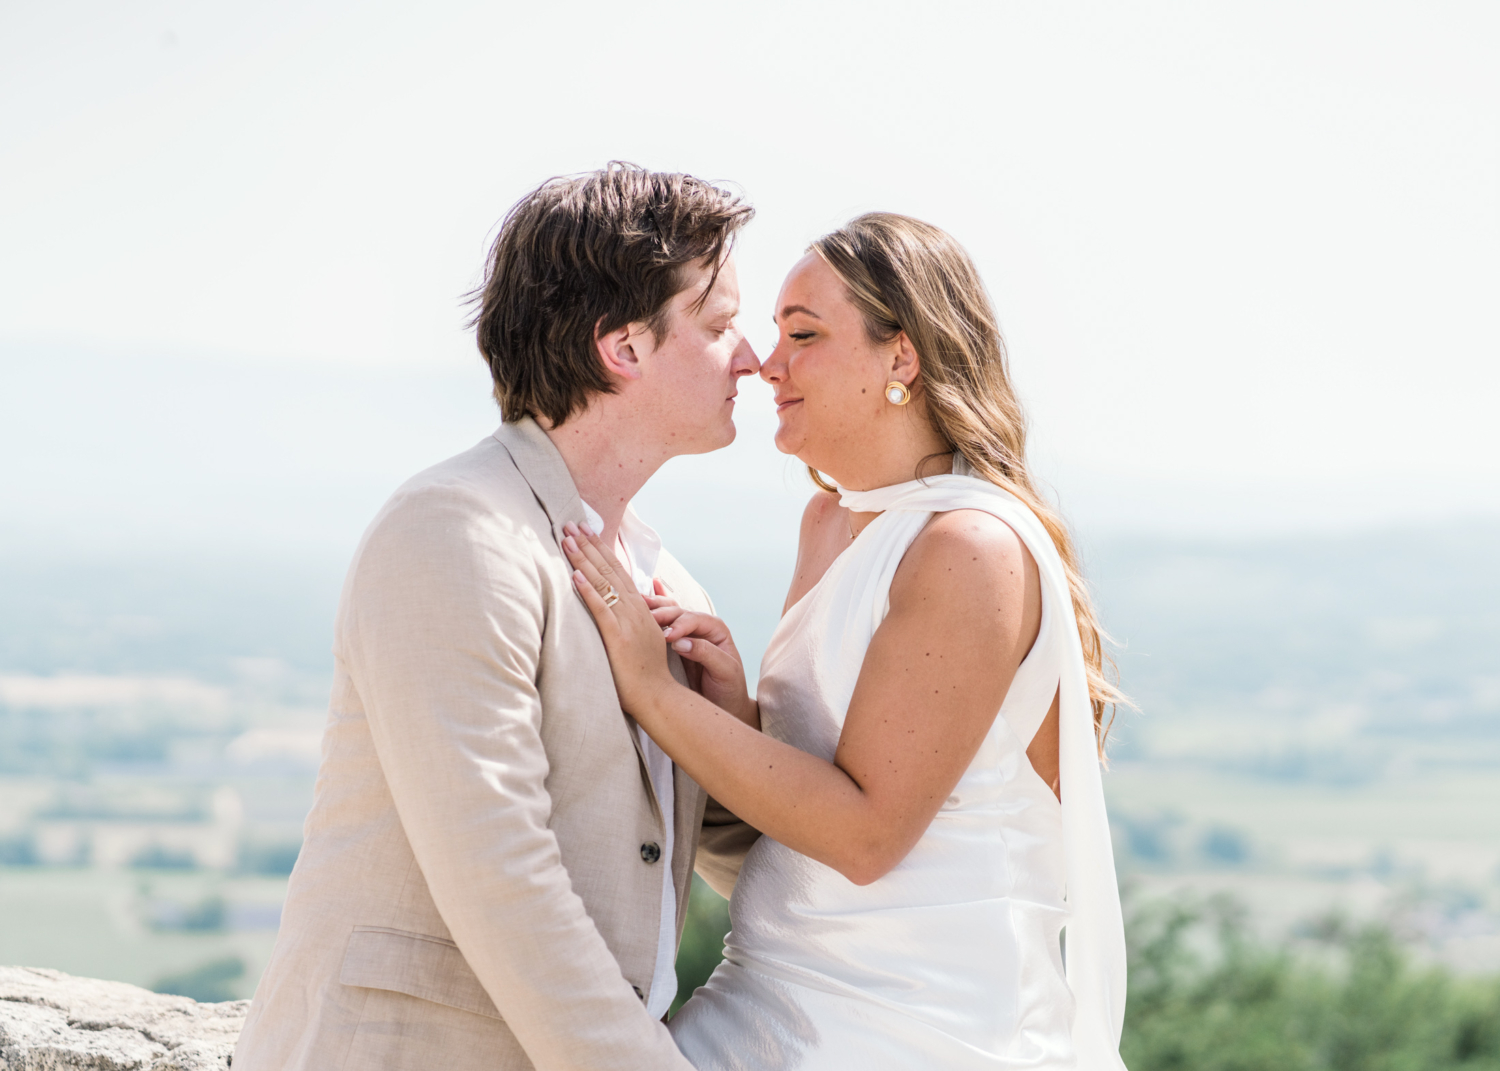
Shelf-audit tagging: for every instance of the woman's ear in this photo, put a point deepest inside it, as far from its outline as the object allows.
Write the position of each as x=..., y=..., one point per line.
x=907, y=362
x=617, y=350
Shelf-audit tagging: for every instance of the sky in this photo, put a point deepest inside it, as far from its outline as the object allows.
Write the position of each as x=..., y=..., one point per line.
x=1245, y=256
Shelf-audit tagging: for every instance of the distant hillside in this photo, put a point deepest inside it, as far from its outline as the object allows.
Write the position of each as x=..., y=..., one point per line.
x=181, y=615
x=1323, y=657
x=1272, y=654
x=1319, y=726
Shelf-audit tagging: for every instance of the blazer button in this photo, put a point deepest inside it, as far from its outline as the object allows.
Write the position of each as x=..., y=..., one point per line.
x=651, y=851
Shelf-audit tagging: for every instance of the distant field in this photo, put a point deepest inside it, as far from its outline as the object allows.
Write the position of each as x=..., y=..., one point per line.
x=97, y=923
x=1421, y=853
x=1423, y=819
x=1319, y=729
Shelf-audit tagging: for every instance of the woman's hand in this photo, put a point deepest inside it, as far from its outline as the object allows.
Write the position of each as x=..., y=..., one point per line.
x=632, y=638
x=705, y=640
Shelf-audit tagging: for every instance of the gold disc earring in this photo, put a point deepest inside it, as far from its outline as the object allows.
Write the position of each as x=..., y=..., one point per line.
x=896, y=393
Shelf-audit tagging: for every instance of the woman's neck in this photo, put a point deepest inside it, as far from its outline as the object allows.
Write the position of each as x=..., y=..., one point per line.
x=900, y=445
x=935, y=464
x=873, y=470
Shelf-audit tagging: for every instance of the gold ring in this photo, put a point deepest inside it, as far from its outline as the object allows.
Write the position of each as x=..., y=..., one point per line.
x=611, y=596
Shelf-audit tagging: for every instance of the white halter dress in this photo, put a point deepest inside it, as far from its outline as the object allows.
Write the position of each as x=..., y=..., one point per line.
x=951, y=961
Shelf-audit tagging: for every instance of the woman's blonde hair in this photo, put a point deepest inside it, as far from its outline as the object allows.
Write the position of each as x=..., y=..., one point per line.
x=906, y=275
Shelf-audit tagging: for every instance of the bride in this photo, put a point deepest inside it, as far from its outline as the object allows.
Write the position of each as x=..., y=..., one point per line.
x=923, y=753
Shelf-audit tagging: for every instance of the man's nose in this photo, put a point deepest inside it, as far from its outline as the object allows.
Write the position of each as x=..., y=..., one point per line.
x=746, y=363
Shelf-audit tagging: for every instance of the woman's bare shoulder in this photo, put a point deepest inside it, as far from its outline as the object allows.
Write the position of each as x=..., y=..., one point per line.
x=962, y=553
x=821, y=508
x=817, y=545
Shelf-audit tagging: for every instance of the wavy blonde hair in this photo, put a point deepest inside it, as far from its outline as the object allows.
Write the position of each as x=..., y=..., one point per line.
x=906, y=275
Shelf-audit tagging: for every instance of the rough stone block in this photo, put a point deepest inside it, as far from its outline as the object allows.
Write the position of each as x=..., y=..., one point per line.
x=50, y=1021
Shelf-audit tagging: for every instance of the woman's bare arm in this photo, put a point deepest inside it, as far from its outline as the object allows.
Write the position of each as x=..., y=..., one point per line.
x=965, y=609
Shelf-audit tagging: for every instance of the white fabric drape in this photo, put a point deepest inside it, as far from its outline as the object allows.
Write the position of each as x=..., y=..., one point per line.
x=1095, y=928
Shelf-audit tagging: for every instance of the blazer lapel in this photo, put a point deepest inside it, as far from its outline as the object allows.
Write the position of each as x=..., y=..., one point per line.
x=543, y=468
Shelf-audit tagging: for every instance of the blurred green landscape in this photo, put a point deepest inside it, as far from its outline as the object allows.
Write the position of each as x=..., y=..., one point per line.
x=1306, y=805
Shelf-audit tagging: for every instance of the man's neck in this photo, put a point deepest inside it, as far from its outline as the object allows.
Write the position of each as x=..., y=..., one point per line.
x=609, y=460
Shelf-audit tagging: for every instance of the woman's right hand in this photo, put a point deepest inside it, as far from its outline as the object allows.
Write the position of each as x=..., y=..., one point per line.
x=706, y=641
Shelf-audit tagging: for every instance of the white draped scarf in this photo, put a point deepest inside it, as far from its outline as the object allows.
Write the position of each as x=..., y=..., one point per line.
x=1095, y=929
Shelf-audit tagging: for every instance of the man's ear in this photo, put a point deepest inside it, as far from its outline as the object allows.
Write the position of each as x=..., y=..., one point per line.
x=617, y=350
x=907, y=361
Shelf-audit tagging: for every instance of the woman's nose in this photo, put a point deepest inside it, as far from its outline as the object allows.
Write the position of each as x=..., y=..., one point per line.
x=773, y=368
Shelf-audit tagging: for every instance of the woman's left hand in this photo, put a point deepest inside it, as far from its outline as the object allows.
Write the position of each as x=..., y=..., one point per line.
x=633, y=640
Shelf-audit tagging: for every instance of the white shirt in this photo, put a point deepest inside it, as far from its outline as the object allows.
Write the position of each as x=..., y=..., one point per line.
x=640, y=547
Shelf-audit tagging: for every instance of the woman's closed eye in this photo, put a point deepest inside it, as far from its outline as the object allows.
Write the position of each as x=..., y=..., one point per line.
x=800, y=336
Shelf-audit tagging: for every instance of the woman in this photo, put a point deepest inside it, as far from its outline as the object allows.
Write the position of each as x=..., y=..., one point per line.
x=923, y=757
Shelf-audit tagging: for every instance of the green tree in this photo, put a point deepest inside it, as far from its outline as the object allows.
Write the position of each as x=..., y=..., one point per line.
x=1207, y=995
x=702, y=940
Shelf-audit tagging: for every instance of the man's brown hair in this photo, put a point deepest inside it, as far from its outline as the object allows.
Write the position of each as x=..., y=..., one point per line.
x=581, y=256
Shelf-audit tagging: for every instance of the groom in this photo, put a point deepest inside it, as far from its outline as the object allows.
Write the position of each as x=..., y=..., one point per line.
x=496, y=867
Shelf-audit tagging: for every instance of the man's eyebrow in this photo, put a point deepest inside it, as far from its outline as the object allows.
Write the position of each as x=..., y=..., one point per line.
x=797, y=308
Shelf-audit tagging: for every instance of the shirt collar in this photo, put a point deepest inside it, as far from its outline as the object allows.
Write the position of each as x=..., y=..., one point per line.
x=642, y=544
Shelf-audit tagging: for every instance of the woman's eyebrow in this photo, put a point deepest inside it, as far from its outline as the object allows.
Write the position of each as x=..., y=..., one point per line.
x=797, y=308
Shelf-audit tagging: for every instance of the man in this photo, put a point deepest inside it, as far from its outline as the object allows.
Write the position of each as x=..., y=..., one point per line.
x=495, y=869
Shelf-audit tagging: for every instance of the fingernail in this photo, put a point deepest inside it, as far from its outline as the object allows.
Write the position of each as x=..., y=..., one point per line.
x=586, y=529
x=683, y=646
x=578, y=577
x=568, y=544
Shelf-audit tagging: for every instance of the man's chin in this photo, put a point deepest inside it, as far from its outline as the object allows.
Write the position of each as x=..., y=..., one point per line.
x=726, y=436
x=710, y=441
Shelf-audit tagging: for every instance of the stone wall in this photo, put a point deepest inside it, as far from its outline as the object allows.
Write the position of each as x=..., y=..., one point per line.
x=50, y=1021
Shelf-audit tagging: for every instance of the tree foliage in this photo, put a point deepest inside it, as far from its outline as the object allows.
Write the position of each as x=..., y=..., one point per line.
x=1207, y=995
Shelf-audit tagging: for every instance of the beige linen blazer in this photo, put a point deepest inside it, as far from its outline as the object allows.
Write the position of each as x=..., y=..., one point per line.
x=478, y=884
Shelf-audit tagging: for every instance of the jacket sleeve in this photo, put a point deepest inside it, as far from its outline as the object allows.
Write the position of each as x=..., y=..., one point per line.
x=442, y=633
x=722, y=846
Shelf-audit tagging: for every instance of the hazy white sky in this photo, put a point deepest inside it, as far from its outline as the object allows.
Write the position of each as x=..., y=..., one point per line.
x=1245, y=255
